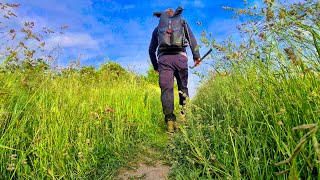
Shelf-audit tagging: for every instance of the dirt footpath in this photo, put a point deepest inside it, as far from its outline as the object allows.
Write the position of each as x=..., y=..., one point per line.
x=157, y=171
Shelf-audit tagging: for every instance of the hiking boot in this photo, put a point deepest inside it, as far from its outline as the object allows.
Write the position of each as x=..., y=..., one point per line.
x=171, y=126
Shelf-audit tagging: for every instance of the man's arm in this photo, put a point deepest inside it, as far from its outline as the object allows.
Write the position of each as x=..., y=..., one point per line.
x=153, y=48
x=193, y=42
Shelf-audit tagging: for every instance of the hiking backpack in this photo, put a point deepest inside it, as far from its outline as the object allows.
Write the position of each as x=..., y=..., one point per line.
x=171, y=31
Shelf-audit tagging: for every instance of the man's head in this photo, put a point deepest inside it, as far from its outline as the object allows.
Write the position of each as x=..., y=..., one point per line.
x=170, y=12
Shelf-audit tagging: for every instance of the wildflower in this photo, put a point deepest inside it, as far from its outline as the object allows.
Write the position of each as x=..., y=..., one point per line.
x=95, y=115
x=109, y=110
x=13, y=157
x=80, y=155
x=88, y=141
x=11, y=167
x=213, y=157
x=24, y=162
x=256, y=158
x=280, y=123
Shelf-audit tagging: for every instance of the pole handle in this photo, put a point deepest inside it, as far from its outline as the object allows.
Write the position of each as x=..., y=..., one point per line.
x=204, y=56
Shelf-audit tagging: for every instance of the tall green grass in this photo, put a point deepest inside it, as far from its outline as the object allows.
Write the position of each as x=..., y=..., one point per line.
x=257, y=115
x=242, y=126
x=75, y=125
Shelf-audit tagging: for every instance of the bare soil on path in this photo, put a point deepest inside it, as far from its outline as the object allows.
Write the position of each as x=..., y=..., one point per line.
x=148, y=166
x=157, y=171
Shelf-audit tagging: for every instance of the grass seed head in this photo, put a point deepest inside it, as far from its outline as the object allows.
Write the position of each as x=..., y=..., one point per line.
x=292, y=56
x=11, y=167
x=262, y=36
x=270, y=14
x=13, y=157
x=281, y=14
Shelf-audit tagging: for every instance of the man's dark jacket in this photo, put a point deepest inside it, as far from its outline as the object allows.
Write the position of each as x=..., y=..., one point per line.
x=154, y=45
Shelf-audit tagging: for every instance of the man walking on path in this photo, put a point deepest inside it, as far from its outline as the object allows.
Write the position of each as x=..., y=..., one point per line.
x=169, y=58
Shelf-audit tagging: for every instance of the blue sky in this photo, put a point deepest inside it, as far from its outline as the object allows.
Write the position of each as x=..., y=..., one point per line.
x=120, y=29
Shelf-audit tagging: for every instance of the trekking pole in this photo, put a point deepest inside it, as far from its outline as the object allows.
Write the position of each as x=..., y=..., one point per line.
x=204, y=56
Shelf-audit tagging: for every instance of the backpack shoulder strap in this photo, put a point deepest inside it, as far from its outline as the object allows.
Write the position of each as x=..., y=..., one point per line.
x=185, y=26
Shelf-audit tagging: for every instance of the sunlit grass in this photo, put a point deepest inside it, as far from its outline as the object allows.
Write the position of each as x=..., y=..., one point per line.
x=75, y=126
x=257, y=115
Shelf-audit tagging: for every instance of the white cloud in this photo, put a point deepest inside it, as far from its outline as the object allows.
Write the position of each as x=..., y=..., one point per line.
x=199, y=4
x=80, y=40
x=129, y=6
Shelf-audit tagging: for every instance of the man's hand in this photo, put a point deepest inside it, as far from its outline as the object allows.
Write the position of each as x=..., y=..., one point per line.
x=197, y=62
